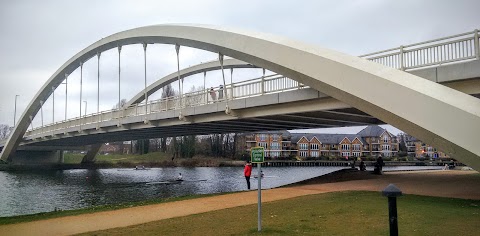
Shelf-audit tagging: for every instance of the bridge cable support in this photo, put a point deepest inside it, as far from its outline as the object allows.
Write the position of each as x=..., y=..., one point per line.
x=119, y=73
x=224, y=91
x=66, y=95
x=477, y=44
x=98, y=82
x=180, y=87
x=81, y=91
x=145, y=71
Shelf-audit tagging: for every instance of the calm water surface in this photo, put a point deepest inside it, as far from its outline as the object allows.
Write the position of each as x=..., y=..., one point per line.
x=42, y=191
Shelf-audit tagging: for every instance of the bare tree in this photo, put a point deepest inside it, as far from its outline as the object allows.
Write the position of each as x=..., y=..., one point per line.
x=168, y=91
x=122, y=104
x=195, y=95
x=5, y=131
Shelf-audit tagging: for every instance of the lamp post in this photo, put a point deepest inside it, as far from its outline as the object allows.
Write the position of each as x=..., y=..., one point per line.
x=15, y=112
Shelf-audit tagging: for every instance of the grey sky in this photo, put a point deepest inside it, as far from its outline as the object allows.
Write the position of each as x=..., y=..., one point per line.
x=37, y=37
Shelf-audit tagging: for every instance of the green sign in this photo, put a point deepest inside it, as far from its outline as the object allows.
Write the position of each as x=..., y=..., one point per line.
x=257, y=154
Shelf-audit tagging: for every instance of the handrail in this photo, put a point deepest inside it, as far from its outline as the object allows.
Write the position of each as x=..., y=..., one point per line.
x=416, y=44
x=429, y=53
x=139, y=109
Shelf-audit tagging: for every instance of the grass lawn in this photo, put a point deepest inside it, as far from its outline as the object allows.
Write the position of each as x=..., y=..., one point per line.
x=56, y=214
x=341, y=213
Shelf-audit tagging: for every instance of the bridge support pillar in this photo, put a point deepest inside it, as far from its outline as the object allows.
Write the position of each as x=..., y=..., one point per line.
x=90, y=156
x=37, y=158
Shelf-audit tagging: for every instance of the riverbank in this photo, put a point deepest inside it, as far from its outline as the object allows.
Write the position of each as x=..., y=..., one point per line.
x=452, y=184
x=150, y=160
x=158, y=159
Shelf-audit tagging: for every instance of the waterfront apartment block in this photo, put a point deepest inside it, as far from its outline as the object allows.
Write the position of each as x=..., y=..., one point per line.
x=276, y=143
x=417, y=148
x=371, y=141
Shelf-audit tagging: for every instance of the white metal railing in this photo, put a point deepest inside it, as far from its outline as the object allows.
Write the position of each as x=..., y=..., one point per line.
x=248, y=88
x=454, y=48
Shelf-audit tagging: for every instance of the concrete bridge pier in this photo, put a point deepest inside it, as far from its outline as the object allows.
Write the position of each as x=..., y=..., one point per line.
x=37, y=157
x=89, y=158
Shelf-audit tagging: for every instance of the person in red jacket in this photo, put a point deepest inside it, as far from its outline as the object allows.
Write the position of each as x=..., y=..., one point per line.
x=247, y=171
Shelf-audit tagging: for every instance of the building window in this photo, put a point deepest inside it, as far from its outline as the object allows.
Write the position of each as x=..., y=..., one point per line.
x=356, y=147
x=274, y=154
x=345, y=146
x=324, y=146
x=356, y=154
x=274, y=146
x=263, y=137
x=274, y=136
x=284, y=145
x=303, y=146
x=345, y=154
x=314, y=154
x=262, y=144
x=303, y=154
x=385, y=147
x=314, y=146
x=385, y=139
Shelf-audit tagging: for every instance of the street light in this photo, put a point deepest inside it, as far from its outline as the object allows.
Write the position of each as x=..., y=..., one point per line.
x=15, y=112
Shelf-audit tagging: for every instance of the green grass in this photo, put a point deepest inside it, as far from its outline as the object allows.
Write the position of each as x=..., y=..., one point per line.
x=56, y=214
x=341, y=213
x=149, y=160
x=73, y=158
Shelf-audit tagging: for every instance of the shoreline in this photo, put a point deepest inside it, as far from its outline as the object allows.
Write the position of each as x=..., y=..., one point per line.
x=200, y=162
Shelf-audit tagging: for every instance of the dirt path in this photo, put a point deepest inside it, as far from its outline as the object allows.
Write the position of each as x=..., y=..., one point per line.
x=457, y=184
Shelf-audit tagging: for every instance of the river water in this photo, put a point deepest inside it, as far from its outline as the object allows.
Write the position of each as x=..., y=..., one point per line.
x=23, y=192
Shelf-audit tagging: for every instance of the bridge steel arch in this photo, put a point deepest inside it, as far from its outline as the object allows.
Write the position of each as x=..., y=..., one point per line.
x=204, y=67
x=438, y=115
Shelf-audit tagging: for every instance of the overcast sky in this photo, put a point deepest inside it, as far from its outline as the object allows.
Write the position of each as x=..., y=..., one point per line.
x=37, y=37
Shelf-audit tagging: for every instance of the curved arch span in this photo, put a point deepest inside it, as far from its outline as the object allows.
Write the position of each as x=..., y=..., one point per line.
x=204, y=67
x=438, y=115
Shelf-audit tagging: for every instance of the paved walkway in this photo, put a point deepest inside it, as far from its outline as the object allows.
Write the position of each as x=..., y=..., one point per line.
x=456, y=184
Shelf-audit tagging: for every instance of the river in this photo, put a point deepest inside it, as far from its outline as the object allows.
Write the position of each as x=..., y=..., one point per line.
x=29, y=192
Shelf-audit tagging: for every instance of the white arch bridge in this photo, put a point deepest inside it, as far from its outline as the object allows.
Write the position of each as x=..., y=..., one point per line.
x=311, y=87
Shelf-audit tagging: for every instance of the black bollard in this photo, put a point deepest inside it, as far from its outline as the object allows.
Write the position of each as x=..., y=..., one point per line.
x=392, y=192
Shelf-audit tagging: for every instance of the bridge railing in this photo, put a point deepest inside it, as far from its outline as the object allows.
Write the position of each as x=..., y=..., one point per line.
x=450, y=49
x=248, y=88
